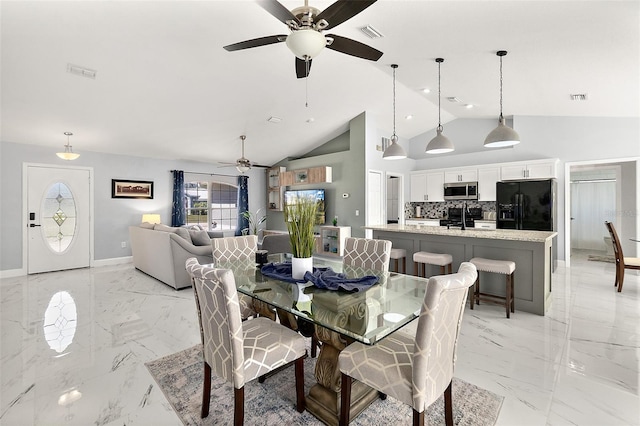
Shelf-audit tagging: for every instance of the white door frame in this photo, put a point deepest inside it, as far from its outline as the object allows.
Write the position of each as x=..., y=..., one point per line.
x=567, y=195
x=25, y=210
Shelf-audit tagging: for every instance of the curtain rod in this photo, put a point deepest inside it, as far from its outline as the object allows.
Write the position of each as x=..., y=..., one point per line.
x=203, y=173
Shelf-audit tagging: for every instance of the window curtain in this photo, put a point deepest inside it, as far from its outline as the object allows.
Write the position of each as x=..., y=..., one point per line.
x=243, y=203
x=178, y=210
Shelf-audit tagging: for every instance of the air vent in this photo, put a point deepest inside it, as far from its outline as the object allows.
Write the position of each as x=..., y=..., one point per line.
x=453, y=99
x=274, y=119
x=81, y=71
x=371, y=32
x=578, y=97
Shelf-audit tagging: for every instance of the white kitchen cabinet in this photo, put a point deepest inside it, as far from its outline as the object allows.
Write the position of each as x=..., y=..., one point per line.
x=427, y=187
x=544, y=169
x=461, y=175
x=487, y=178
x=485, y=224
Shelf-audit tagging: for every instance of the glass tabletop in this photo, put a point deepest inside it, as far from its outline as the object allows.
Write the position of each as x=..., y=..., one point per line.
x=366, y=316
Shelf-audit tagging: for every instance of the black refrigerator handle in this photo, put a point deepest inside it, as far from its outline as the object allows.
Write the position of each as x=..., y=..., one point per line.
x=519, y=212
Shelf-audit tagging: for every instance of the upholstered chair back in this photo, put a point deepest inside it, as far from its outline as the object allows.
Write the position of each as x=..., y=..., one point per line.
x=367, y=253
x=437, y=334
x=220, y=324
x=234, y=248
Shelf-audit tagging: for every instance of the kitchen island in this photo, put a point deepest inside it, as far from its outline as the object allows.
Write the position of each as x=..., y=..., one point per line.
x=530, y=250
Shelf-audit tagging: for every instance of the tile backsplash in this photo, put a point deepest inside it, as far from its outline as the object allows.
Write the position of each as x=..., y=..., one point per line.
x=439, y=210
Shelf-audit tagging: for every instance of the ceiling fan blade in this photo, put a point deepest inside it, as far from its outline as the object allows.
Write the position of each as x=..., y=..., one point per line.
x=301, y=68
x=353, y=48
x=281, y=13
x=256, y=42
x=342, y=10
x=260, y=165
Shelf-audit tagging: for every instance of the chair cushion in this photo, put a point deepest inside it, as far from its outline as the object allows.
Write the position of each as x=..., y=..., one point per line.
x=632, y=261
x=386, y=366
x=439, y=259
x=496, y=266
x=268, y=345
x=398, y=253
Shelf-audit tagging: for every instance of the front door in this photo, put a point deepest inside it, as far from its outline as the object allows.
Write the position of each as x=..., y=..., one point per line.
x=58, y=218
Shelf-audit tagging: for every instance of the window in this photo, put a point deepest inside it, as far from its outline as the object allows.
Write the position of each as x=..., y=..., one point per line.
x=212, y=205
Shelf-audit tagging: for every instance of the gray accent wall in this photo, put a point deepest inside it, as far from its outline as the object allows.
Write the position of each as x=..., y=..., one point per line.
x=112, y=216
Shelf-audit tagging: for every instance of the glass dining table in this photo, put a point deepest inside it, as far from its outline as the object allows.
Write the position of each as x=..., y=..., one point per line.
x=339, y=318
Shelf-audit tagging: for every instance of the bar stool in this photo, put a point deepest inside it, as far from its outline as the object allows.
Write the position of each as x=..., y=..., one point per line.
x=422, y=258
x=396, y=255
x=506, y=267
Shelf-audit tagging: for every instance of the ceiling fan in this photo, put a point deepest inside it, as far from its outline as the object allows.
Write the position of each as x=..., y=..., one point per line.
x=242, y=164
x=306, y=40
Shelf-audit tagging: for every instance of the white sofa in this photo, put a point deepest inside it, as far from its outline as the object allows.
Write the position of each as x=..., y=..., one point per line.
x=162, y=253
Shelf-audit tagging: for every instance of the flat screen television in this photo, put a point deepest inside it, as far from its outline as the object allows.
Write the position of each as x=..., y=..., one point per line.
x=290, y=197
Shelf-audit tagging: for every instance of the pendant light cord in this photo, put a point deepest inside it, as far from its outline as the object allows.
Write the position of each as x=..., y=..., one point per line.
x=501, y=82
x=439, y=95
x=394, y=66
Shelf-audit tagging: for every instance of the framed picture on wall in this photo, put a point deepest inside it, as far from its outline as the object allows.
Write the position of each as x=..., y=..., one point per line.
x=121, y=188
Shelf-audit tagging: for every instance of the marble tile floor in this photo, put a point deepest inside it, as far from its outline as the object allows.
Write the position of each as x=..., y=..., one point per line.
x=73, y=346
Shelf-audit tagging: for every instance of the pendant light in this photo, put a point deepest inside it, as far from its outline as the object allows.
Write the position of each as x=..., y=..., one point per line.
x=394, y=151
x=502, y=135
x=440, y=144
x=68, y=153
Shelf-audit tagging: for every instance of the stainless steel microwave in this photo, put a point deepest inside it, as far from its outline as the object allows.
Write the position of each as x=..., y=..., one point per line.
x=461, y=191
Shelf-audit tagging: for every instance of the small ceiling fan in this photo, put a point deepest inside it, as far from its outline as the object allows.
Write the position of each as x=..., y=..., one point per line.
x=242, y=164
x=306, y=24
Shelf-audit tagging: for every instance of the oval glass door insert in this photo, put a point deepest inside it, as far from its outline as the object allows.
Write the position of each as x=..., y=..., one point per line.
x=58, y=217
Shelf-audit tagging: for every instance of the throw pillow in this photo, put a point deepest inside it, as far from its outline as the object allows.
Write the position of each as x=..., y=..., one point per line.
x=164, y=228
x=200, y=238
x=184, y=233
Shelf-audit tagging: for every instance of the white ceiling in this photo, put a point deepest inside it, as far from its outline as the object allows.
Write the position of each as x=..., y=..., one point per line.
x=166, y=88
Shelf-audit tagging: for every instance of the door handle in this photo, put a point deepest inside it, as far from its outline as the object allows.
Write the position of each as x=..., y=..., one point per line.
x=33, y=225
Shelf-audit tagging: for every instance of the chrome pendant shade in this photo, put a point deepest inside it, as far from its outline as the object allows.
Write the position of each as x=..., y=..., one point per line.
x=440, y=144
x=68, y=153
x=394, y=151
x=502, y=135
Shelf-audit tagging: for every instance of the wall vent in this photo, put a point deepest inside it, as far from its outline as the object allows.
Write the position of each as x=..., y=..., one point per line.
x=81, y=71
x=579, y=97
x=453, y=99
x=371, y=32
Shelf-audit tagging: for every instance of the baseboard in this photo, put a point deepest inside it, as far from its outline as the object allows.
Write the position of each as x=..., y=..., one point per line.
x=10, y=273
x=113, y=261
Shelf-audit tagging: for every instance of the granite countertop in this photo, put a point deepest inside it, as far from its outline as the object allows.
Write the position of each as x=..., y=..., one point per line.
x=492, y=234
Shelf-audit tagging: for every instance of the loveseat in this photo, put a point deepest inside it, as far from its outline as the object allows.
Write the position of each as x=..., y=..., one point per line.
x=161, y=251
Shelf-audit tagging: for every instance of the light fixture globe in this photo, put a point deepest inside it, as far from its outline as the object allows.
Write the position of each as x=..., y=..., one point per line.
x=394, y=151
x=502, y=136
x=440, y=144
x=306, y=43
x=68, y=153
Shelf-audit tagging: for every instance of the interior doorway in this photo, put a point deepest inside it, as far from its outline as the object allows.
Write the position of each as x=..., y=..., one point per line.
x=394, y=198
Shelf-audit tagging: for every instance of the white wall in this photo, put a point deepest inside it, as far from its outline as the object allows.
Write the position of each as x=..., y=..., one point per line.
x=112, y=216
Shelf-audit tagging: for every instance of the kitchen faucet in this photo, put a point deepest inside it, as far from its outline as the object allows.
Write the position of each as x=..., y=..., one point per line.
x=464, y=216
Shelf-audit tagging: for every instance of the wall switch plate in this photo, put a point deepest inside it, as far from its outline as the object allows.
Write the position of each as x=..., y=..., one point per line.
x=123, y=244
x=357, y=212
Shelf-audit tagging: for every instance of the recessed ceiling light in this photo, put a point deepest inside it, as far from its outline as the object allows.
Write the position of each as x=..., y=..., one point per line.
x=274, y=119
x=310, y=120
x=408, y=117
x=425, y=90
x=468, y=106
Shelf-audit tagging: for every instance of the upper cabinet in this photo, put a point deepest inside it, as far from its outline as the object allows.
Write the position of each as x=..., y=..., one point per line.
x=275, y=192
x=427, y=186
x=273, y=176
x=487, y=178
x=320, y=174
x=462, y=175
x=543, y=169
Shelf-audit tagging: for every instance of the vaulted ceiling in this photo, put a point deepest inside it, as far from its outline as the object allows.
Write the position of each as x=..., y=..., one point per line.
x=166, y=88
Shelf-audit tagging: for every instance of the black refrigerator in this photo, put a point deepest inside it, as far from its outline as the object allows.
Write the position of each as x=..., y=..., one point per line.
x=526, y=204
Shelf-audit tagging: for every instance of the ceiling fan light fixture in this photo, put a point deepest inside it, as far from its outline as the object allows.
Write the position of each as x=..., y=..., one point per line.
x=242, y=168
x=502, y=135
x=68, y=153
x=440, y=144
x=306, y=43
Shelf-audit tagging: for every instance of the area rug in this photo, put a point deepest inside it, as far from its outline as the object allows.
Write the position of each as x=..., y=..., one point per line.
x=179, y=376
x=602, y=258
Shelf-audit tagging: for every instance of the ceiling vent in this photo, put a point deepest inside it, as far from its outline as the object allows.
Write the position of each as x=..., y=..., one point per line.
x=81, y=71
x=273, y=119
x=371, y=32
x=579, y=97
x=453, y=99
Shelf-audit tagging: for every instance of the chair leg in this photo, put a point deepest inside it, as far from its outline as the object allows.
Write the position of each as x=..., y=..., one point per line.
x=418, y=418
x=300, y=399
x=507, y=300
x=314, y=346
x=472, y=296
x=442, y=270
x=404, y=265
x=345, y=400
x=415, y=269
x=450, y=268
x=513, y=292
x=238, y=406
x=206, y=391
x=448, y=406
x=620, y=279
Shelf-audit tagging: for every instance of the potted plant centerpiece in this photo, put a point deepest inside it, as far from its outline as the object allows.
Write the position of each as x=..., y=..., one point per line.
x=300, y=216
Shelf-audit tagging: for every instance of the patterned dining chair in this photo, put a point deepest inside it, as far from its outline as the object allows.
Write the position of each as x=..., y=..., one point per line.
x=229, y=249
x=367, y=253
x=235, y=350
x=622, y=262
x=415, y=370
